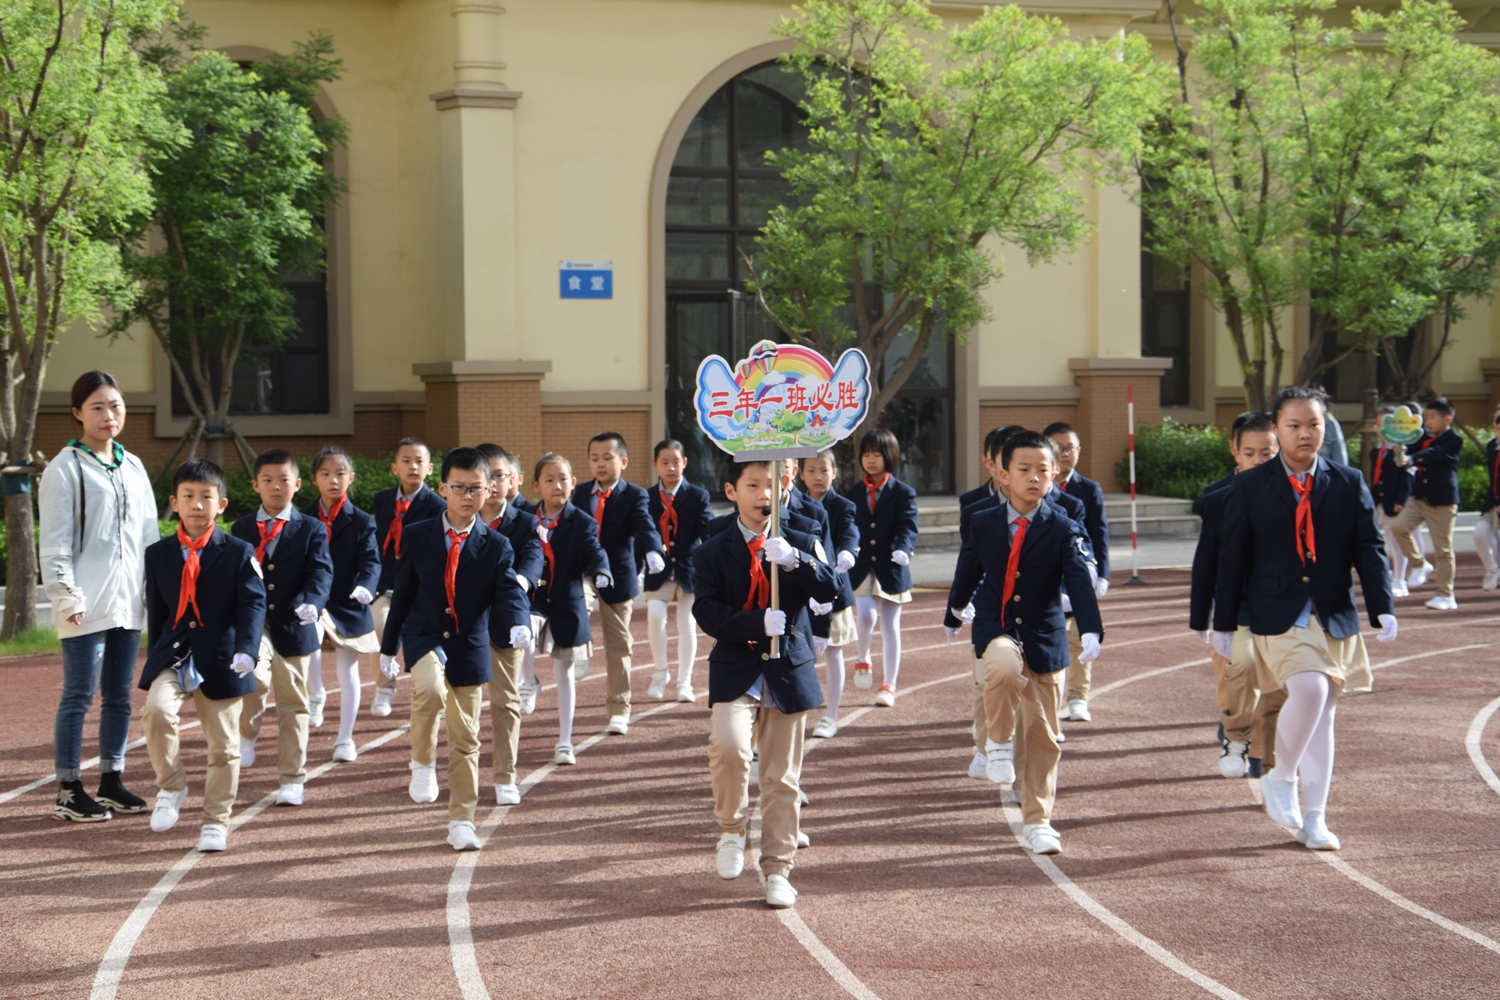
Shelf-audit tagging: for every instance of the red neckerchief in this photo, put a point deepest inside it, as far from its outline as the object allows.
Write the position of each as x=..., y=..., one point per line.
x=668, y=523
x=393, y=533
x=267, y=536
x=1306, y=545
x=450, y=571
x=872, y=488
x=332, y=515
x=760, y=585
x=599, y=507
x=187, y=592
x=1012, y=565
x=1380, y=454
x=547, y=544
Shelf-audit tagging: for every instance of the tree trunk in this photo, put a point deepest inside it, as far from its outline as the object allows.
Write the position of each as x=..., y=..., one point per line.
x=1369, y=433
x=20, y=571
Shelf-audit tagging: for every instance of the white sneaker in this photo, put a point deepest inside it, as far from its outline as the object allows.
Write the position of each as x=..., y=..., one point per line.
x=729, y=855
x=1062, y=737
x=619, y=725
x=1040, y=838
x=1398, y=589
x=344, y=751
x=779, y=893
x=528, y=697
x=885, y=697
x=1443, y=604
x=315, y=705
x=863, y=677
x=1281, y=800
x=1314, y=833
x=289, y=795
x=826, y=729
x=168, y=805
x=461, y=836
x=686, y=695
x=247, y=752
x=563, y=754
x=976, y=766
x=381, y=704
x=508, y=795
x=1492, y=580
x=212, y=838
x=1233, y=762
x=1000, y=762
x=657, y=690
x=802, y=840
x=424, y=786
x=1078, y=711
x=802, y=798
x=580, y=669
x=1418, y=576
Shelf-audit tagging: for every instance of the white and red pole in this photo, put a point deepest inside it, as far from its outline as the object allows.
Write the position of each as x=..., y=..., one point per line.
x=1135, y=547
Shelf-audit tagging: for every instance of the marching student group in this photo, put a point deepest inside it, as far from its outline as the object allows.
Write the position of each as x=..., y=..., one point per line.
x=467, y=588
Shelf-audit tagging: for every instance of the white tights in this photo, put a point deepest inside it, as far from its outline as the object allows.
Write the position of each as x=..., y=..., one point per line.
x=346, y=661
x=866, y=610
x=1397, y=557
x=567, y=698
x=833, y=664
x=687, y=636
x=1487, y=544
x=1304, y=735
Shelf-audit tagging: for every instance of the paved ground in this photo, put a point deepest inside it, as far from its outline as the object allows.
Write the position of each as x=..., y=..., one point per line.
x=1172, y=882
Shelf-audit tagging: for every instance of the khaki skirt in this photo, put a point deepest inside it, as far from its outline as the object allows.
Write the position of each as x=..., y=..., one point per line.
x=870, y=587
x=841, y=628
x=328, y=634
x=1308, y=648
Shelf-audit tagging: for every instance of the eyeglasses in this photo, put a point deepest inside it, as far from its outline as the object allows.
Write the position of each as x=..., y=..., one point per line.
x=467, y=491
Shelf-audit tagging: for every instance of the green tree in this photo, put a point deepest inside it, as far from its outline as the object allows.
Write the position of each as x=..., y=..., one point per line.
x=76, y=108
x=928, y=147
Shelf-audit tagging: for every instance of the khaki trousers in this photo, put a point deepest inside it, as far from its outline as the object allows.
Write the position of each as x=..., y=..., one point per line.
x=287, y=676
x=1439, y=521
x=505, y=712
x=1022, y=704
x=220, y=720
x=379, y=609
x=431, y=695
x=1080, y=675
x=981, y=722
x=736, y=728
x=615, y=618
x=1239, y=689
x=1267, y=711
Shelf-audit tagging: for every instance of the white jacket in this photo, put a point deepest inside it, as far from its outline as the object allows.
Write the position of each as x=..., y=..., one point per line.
x=95, y=526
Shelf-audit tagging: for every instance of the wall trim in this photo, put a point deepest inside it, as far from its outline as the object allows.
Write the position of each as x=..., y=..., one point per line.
x=386, y=400
x=470, y=96
x=478, y=370
x=579, y=402
x=1030, y=395
x=1145, y=367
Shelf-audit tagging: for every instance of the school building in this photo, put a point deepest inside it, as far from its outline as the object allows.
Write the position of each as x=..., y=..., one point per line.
x=491, y=142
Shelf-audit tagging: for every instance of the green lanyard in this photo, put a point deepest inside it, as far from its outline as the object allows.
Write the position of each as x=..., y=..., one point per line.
x=119, y=453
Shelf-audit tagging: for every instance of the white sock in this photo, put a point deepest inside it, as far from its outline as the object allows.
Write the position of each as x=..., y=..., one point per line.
x=1304, y=735
x=656, y=631
x=865, y=616
x=315, y=672
x=1398, y=557
x=833, y=660
x=562, y=670
x=350, y=693
x=687, y=639
x=890, y=641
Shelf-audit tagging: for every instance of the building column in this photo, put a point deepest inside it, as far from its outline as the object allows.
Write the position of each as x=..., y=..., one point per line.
x=469, y=402
x=1491, y=369
x=1102, y=420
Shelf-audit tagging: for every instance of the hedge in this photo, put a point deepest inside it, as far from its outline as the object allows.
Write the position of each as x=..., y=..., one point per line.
x=1177, y=460
x=371, y=475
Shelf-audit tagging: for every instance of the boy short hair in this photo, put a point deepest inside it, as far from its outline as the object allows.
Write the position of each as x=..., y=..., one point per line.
x=551, y=458
x=613, y=436
x=737, y=470
x=467, y=459
x=491, y=451
x=328, y=454
x=663, y=445
x=1252, y=422
x=274, y=456
x=1441, y=405
x=1058, y=427
x=411, y=443
x=882, y=441
x=1025, y=439
x=201, y=470
x=1307, y=393
x=995, y=439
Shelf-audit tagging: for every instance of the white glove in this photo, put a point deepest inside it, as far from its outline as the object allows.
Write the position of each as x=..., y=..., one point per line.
x=819, y=608
x=845, y=561
x=654, y=562
x=361, y=596
x=1090, y=648
x=780, y=552
x=389, y=666
x=1388, y=630
x=967, y=614
x=1067, y=604
x=901, y=558
x=602, y=582
x=952, y=633
x=820, y=646
x=1204, y=636
x=1101, y=586
x=242, y=664
x=1223, y=644
x=525, y=583
x=307, y=613
x=775, y=622
x=543, y=533
x=520, y=636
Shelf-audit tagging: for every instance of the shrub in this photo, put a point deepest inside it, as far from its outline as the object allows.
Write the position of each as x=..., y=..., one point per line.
x=1177, y=460
x=371, y=475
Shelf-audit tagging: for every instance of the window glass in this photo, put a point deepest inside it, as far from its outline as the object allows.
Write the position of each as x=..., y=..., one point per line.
x=706, y=143
x=702, y=201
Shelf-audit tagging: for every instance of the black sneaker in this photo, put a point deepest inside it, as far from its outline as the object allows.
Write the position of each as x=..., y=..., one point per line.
x=114, y=794
x=73, y=803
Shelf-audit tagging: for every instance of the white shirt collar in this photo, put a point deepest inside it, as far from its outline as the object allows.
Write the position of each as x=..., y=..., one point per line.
x=413, y=494
x=747, y=534
x=1011, y=514
x=468, y=527
x=285, y=515
x=1300, y=475
x=600, y=487
x=673, y=491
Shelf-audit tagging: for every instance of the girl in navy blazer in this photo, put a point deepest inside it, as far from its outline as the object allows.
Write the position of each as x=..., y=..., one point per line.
x=1486, y=535
x=887, y=517
x=681, y=513
x=346, y=626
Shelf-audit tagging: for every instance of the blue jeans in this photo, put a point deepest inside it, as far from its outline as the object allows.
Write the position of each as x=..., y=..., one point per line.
x=100, y=661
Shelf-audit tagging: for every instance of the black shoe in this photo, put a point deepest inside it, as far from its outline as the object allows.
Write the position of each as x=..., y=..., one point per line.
x=113, y=793
x=1254, y=771
x=73, y=803
x=1222, y=737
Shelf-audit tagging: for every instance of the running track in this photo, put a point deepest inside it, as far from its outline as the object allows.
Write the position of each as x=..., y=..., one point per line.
x=1172, y=882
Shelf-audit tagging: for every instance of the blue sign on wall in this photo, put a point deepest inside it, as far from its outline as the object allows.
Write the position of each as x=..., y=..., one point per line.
x=586, y=279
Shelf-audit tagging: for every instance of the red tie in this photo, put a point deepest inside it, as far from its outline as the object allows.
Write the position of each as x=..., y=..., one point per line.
x=187, y=592
x=393, y=533
x=450, y=571
x=1380, y=454
x=1012, y=566
x=668, y=522
x=1307, y=548
x=760, y=586
x=1062, y=487
x=872, y=488
x=332, y=515
x=547, y=547
x=268, y=532
x=599, y=507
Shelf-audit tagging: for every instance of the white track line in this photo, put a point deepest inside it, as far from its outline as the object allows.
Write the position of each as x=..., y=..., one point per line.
x=1116, y=685
x=112, y=966
x=1476, y=752
x=836, y=970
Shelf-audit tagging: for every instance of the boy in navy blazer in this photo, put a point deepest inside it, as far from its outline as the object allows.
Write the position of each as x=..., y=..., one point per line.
x=681, y=513
x=293, y=554
x=1390, y=488
x=1012, y=569
x=834, y=630
x=456, y=587
x=1486, y=535
x=205, y=612
x=1434, y=502
x=1072, y=483
x=755, y=700
x=623, y=514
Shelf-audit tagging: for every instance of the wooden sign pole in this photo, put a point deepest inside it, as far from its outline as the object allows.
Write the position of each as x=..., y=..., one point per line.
x=775, y=533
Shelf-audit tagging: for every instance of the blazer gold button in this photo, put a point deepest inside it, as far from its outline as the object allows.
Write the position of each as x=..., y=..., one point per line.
x=445, y=635
x=1018, y=619
x=270, y=586
x=1304, y=579
x=192, y=624
x=271, y=568
x=872, y=524
x=270, y=607
x=176, y=644
x=447, y=611
x=1016, y=599
x=765, y=656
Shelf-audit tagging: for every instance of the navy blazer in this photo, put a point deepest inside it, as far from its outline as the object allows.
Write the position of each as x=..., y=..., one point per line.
x=1437, y=468
x=741, y=652
x=1206, y=558
x=1394, y=486
x=691, y=504
x=523, y=505
x=983, y=491
x=519, y=529
x=424, y=506
x=487, y=599
x=1491, y=476
x=1258, y=561
x=298, y=571
x=891, y=526
x=996, y=499
x=1052, y=557
x=627, y=526
x=844, y=531
x=576, y=554
x=1095, y=518
x=232, y=599
x=356, y=563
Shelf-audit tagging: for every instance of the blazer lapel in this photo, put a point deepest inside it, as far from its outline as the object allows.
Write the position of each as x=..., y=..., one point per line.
x=210, y=554
x=1321, y=483
x=1281, y=487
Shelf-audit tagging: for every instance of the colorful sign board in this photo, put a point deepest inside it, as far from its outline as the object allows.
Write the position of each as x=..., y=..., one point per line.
x=1401, y=427
x=586, y=279
x=783, y=401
